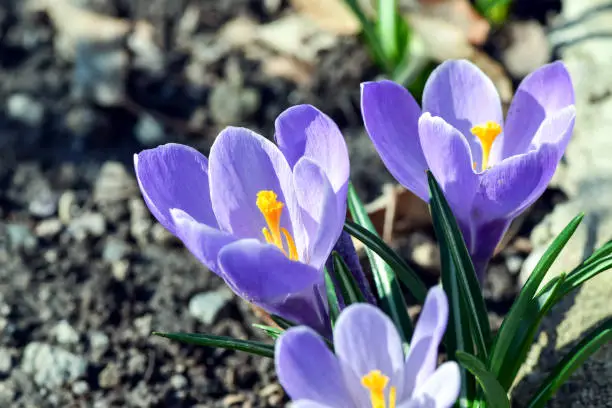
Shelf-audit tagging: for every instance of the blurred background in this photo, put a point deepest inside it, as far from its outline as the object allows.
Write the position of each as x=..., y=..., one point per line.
x=86, y=273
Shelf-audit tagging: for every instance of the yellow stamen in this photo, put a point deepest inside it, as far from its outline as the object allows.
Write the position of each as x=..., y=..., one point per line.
x=272, y=209
x=376, y=383
x=487, y=134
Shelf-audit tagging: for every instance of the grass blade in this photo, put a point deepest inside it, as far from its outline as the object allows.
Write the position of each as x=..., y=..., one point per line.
x=512, y=321
x=273, y=332
x=251, y=347
x=574, y=358
x=332, y=298
x=348, y=287
x=404, y=272
x=282, y=322
x=387, y=28
x=493, y=391
x=449, y=236
x=391, y=298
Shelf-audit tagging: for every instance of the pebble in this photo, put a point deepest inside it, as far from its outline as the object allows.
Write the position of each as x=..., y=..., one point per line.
x=161, y=235
x=178, y=382
x=20, y=237
x=424, y=252
x=109, y=376
x=120, y=270
x=115, y=250
x=99, y=342
x=205, y=306
x=114, y=183
x=231, y=103
x=149, y=131
x=514, y=264
x=89, y=223
x=6, y=361
x=25, y=109
x=65, y=333
x=48, y=228
x=65, y=206
x=51, y=366
x=80, y=388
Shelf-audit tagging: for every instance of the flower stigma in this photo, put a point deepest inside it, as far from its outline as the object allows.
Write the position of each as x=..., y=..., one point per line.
x=272, y=209
x=376, y=382
x=487, y=134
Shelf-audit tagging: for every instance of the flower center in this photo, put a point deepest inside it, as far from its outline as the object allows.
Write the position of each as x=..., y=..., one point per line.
x=487, y=134
x=376, y=382
x=272, y=209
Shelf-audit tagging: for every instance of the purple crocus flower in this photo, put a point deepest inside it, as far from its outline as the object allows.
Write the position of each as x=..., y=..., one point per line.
x=489, y=172
x=369, y=368
x=264, y=218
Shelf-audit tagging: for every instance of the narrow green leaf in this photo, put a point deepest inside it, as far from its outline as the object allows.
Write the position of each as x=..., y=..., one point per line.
x=348, y=287
x=404, y=272
x=273, y=332
x=506, y=335
x=251, y=347
x=282, y=322
x=387, y=27
x=493, y=391
x=332, y=298
x=573, y=359
x=449, y=236
x=583, y=274
x=391, y=298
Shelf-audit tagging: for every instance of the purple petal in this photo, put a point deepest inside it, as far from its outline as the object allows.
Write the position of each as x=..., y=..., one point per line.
x=308, y=370
x=320, y=216
x=449, y=160
x=486, y=237
x=201, y=240
x=391, y=116
x=308, y=404
x=175, y=176
x=365, y=339
x=423, y=356
x=461, y=94
x=242, y=163
x=542, y=93
x=305, y=131
x=557, y=129
x=512, y=185
x=441, y=390
x=262, y=274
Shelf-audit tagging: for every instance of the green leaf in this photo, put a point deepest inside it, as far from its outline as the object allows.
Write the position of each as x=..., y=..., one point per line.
x=348, y=287
x=506, y=335
x=573, y=359
x=251, y=347
x=332, y=298
x=387, y=28
x=404, y=272
x=494, y=393
x=273, y=332
x=391, y=298
x=449, y=236
x=282, y=322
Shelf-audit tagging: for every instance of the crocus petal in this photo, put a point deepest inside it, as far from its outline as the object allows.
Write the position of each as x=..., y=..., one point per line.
x=308, y=370
x=262, y=274
x=423, y=356
x=557, y=129
x=175, y=176
x=441, y=390
x=448, y=157
x=464, y=96
x=512, y=185
x=391, y=115
x=365, y=339
x=542, y=93
x=201, y=240
x=309, y=404
x=305, y=131
x=242, y=163
x=320, y=215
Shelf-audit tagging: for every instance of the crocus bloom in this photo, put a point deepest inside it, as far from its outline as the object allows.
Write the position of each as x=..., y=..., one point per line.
x=369, y=369
x=264, y=218
x=489, y=171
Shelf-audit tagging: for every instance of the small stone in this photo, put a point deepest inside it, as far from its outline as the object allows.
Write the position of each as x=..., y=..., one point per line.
x=88, y=224
x=424, y=252
x=178, y=382
x=20, y=237
x=143, y=325
x=109, y=376
x=43, y=204
x=149, y=131
x=48, y=228
x=115, y=250
x=84, y=122
x=231, y=103
x=65, y=206
x=161, y=235
x=205, y=306
x=137, y=364
x=6, y=361
x=25, y=109
x=114, y=183
x=498, y=284
x=140, y=221
x=120, y=270
x=98, y=342
x=51, y=366
x=514, y=264
x=80, y=388
x=65, y=333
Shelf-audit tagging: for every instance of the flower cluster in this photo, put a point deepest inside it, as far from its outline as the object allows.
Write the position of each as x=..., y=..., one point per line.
x=265, y=217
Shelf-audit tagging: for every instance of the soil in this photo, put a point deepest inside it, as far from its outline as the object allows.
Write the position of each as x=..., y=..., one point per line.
x=83, y=266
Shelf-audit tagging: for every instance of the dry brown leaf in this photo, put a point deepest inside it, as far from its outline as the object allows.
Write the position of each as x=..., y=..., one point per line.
x=461, y=14
x=331, y=15
x=281, y=66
